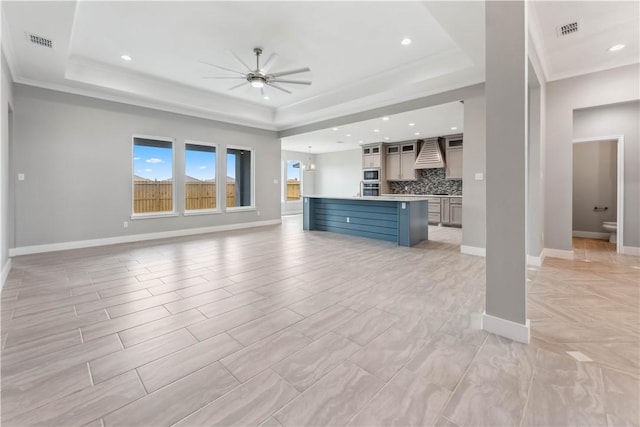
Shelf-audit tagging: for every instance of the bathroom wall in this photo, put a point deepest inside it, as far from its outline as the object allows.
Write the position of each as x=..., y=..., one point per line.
x=430, y=181
x=619, y=119
x=594, y=184
x=590, y=96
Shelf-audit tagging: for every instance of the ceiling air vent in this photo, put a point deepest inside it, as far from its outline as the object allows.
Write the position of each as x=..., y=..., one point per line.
x=567, y=29
x=40, y=41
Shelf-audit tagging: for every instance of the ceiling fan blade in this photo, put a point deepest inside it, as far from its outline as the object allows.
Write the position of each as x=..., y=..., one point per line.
x=294, y=82
x=225, y=77
x=237, y=86
x=223, y=68
x=278, y=87
x=286, y=73
x=269, y=63
x=240, y=60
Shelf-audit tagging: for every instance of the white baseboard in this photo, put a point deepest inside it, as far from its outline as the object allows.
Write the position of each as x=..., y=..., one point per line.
x=473, y=250
x=631, y=250
x=6, y=268
x=36, y=249
x=591, y=235
x=535, y=261
x=557, y=253
x=506, y=328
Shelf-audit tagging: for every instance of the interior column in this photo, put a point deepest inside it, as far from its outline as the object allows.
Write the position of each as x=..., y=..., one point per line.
x=506, y=150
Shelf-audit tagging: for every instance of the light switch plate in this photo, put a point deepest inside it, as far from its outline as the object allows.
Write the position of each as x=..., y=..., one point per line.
x=479, y=176
x=20, y=177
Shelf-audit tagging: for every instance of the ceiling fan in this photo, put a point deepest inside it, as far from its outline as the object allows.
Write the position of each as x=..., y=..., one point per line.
x=260, y=77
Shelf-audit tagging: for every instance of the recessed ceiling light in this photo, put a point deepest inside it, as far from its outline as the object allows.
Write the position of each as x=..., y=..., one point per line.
x=265, y=97
x=334, y=129
x=406, y=41
x=385, y=118
x=348, y=134
x=412, y=124
x=417, y=133
x=376, y=130
x=616, y=47
x=454, y=128
x=386, y=137
x=126, y=57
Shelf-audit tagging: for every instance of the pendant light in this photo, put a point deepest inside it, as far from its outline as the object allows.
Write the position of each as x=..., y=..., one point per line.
x=309, y=166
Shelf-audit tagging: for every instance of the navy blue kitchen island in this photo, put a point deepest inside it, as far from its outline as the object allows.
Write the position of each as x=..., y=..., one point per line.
x=403, y=220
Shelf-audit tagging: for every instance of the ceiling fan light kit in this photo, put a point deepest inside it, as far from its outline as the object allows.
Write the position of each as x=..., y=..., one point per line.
x=260, y=77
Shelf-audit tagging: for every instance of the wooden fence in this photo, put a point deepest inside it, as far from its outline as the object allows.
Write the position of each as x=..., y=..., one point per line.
x=157, y=196
x=293, y=190
x=152, y=196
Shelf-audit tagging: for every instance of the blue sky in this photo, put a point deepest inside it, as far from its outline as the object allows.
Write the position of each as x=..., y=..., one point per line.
x=200, y=165
x=155, y=163
x=152, y=162
x=293, y=173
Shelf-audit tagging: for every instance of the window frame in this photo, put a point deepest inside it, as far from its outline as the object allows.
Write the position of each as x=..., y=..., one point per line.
x=163, y=214
x=218, y=208
x=253, y=179
x=286, y=180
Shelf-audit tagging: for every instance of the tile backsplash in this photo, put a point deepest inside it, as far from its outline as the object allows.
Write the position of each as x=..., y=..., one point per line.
x=430, y=181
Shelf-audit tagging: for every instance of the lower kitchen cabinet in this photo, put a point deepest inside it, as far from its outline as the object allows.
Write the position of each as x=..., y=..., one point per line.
x=434, y=210
x=445, y=210
x=455, y=211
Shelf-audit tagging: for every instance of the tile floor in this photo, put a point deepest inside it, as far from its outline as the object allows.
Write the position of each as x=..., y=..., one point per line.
x=277, y=327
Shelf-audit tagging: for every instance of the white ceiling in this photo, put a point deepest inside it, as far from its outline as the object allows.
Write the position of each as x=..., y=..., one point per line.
x=353, y=49
x=428, y=122
x=602, y=24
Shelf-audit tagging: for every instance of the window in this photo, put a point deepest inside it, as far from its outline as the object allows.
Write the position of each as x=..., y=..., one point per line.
x=200, y=190
x=239, y=177
x=153, y=190
x=293, y=180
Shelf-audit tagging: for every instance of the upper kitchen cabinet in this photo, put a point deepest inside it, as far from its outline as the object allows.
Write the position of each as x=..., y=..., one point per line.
x=400, y=159
x=453, y=149
x=371, y=156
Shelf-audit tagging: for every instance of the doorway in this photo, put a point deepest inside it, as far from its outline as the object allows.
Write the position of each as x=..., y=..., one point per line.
x=598, y=184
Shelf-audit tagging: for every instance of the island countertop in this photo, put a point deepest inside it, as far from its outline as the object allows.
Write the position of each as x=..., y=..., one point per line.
x=395, y=219
x=383, y=198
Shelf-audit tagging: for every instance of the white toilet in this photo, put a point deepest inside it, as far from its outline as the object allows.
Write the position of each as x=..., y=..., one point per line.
x=612, y=228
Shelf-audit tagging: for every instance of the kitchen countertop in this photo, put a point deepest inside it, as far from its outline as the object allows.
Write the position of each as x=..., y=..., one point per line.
x=422, y=195
x=383, y=198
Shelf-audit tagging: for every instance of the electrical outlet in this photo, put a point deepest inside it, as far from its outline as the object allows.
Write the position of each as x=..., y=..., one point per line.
x=348, y=220
x=479, y=176
x=20, y=177
x=258, y=213
x=126, y=224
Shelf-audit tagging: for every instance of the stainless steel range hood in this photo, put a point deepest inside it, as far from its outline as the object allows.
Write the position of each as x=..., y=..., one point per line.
x=430, y=156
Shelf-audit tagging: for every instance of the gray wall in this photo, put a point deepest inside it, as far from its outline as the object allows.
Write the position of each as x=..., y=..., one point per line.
x=76, y=152
x=339, y=173
x=562, y=98
x=619, y=119
x=308, y=180
x=473, y=161
x=534, y=195
x=506, y=142
x=6, y=214
x=594, y=184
